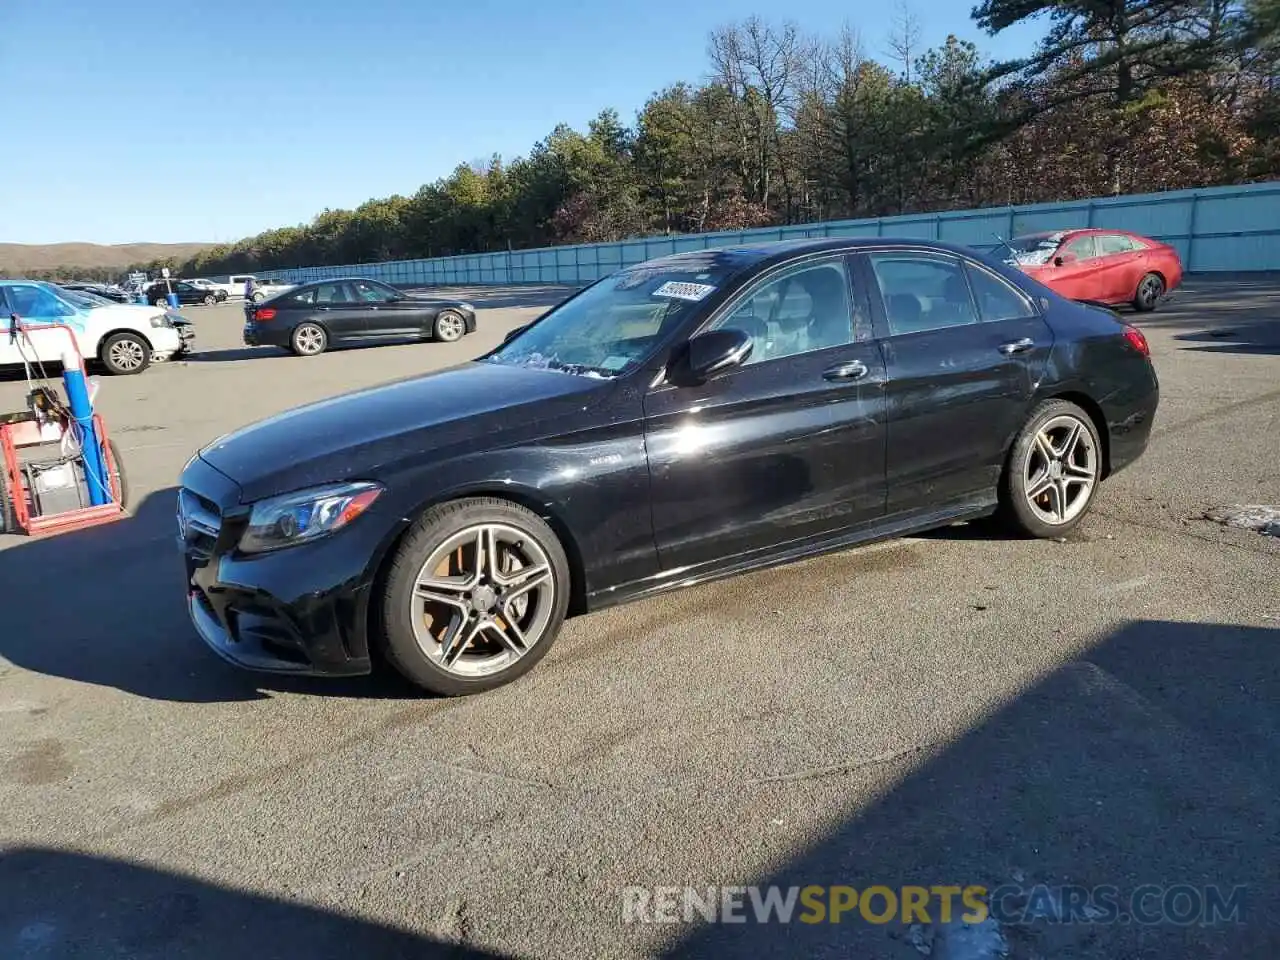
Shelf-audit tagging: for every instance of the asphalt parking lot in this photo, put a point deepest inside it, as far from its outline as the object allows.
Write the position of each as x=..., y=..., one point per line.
x=958, y=708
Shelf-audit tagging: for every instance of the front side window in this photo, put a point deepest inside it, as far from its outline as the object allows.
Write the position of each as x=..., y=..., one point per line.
x=804, y=308
x=1082, y=248
x=997, y=299
x=922, y=292
x=32, y=302
x=374, y=292
x=610, y=328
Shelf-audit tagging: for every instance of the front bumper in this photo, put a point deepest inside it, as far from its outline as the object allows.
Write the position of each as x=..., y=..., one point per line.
x=301, y=611
x=179, y=344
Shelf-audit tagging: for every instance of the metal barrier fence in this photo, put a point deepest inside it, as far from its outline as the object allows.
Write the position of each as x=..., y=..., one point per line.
x=1214, y=229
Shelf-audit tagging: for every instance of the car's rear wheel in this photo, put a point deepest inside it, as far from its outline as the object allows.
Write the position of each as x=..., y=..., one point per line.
x=309, y=340
x=259, y=296
x=210, y=299
x=124, y=354
x=1150, y=290
x=449, y=326
x=1053, y=471
x=474, y=597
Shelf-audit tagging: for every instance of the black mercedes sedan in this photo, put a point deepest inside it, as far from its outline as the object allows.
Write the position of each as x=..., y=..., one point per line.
x=690, y=418
x=310, y=318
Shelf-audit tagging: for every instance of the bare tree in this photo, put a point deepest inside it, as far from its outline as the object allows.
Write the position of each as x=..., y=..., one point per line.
x=760, y=66
x=904, y=38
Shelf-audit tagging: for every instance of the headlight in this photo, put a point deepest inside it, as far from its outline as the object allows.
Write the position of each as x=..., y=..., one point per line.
x=306, y=515
x=161, y=321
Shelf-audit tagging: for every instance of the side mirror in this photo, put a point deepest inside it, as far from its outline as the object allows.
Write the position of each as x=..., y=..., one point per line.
x=1064, y=258
x=710, y=353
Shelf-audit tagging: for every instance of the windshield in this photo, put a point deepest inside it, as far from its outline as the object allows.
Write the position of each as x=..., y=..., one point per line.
x=1032, y=249
x=85, y=299
x=611, y=327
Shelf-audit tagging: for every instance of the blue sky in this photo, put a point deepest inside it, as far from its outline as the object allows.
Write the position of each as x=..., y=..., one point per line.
x=172, y=120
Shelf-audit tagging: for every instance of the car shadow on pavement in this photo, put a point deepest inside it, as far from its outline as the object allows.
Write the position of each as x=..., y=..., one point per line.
x=1151, y=759
x=107, y=606
x=1258, y=337
x=235, y=353
x=56, y=903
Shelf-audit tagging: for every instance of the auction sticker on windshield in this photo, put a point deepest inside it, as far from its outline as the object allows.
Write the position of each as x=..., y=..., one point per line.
x=684, y=291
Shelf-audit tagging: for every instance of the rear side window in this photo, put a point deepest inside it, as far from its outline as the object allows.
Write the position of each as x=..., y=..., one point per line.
x=997, y=299
x=922, y=292
x=1113, y=243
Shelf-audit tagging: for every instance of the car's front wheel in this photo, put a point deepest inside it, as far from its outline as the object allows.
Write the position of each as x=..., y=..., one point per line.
x=1053, y=471
x=309, y=340
x=1150, y=290
x=449, y=326
x=125, y=353
x=474, y=597
x=210, y=299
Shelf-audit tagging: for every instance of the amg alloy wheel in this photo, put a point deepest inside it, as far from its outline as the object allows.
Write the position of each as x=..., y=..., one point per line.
x=475, y=596
x=1053, y=471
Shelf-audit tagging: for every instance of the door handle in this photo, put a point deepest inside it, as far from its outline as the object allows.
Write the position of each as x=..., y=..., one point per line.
x=853, y=370
x=1017, y=346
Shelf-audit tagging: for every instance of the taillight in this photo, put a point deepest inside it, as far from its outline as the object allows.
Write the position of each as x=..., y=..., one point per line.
x=264, y=313
x=1136, y=340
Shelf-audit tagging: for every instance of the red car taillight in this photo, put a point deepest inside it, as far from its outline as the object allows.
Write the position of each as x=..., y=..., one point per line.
x=1137, y=340
x=266, y=313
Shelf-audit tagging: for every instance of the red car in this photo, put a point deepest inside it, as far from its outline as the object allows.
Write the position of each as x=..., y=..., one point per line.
x=1105, y=266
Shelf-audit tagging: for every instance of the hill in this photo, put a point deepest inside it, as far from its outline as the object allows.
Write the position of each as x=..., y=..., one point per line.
x=18, y=258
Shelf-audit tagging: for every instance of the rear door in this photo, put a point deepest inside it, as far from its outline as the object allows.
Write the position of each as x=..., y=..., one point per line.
x=962, y=349
x=788, y=447
x=1123, y=266
x=387, y=312
x=335, y=306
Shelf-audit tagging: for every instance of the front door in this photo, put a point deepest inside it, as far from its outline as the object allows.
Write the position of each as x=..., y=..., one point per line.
x=789, y=446
x=387, y=312
x=1080, y=275
x=961, y=347
x=38, y=307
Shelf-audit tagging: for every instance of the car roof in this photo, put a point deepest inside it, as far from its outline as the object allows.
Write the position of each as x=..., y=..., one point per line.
x=753, y=254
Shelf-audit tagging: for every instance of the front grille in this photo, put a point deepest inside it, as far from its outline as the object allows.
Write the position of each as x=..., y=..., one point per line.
x=199, y=523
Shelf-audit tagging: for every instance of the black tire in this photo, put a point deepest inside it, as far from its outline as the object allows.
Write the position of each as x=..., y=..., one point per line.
x=1016, y=507
x=210, y=299
x=258, y=296
x=433, y=529
x=449, y=326
x=119, y=345
x=1150, y=290
x=119, y=475
x=8, y=522
x=309, y=339
x=159, y=302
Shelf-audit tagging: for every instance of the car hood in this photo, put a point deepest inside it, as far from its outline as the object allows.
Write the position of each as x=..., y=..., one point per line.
x=369, y=433
x=134, y=314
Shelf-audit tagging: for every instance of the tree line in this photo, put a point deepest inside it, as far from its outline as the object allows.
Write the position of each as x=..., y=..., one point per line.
x=1120, y=96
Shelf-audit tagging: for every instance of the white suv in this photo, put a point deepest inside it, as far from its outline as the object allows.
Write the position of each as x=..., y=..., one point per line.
x=125, y=337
